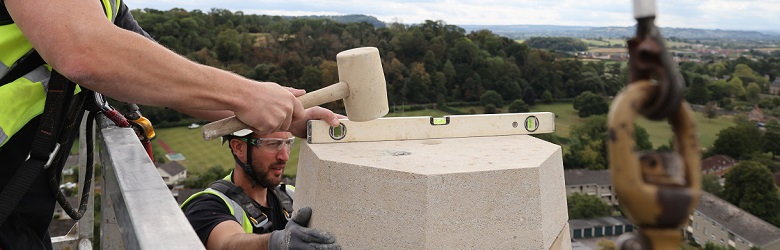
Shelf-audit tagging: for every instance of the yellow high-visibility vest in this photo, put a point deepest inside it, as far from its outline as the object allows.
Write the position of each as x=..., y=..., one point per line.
x=23, y=99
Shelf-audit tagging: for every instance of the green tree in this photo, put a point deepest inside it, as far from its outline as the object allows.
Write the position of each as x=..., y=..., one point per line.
x=750, y=186
x=736, y=89
x=547, y=96
x=710, y=110
x=491, y=97
x=587, y=148
x=490, y=109
x=311, y=78
x=753, y=93
x=711, y=184
x=203, y=180
x=738, y=141
x=419, y=85
x=588, y=104
x=583, y=206
x=228, y=45
x=698, y=93
x=518, y=106
x=529, y=96
x=771, y=141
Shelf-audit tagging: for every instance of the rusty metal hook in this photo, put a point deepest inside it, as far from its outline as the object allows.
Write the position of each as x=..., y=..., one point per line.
x=657, y=190
x=649, y=59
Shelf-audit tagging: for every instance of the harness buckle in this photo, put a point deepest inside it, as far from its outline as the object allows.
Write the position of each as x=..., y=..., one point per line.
x=51, y=156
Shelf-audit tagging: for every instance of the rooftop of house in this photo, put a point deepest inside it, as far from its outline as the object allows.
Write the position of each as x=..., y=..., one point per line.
x=585, y=177
x=738, y=221
x=598, y=222
x=715, y=162
x=172, y=168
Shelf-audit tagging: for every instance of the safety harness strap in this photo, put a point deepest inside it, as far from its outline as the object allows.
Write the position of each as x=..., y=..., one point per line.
x=5, y=18
x=44, y=145
x=237, y=194
x=24, y=66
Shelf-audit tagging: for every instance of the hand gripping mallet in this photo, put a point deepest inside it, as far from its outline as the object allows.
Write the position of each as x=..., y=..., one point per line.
x=361, y=85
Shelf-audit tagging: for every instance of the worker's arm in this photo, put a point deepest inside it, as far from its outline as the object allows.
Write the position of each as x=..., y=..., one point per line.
x=230, y=235
x=296, y=235
x=76, y=39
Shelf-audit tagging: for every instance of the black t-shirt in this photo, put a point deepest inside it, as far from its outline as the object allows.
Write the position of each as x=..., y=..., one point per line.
x=206, y=211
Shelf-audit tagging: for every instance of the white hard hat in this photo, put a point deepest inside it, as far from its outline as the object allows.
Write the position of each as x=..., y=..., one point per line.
x=241, y=133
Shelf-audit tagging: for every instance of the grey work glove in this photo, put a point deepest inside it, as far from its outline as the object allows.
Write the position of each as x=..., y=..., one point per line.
x=296, y=235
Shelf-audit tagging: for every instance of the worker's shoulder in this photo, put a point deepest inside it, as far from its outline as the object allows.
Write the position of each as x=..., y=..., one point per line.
x=204, y=199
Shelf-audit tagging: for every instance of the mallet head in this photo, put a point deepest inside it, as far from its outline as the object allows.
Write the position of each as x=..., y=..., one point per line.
x=361, y=69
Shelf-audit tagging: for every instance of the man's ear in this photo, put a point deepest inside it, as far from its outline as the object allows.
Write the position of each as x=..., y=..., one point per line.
x=239, y=148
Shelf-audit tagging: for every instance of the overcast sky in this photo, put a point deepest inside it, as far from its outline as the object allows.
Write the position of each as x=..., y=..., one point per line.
x=705, y=14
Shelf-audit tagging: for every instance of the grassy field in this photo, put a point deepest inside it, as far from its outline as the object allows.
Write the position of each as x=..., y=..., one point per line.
x=660, y=132
x=609, y=50
x=603, y=43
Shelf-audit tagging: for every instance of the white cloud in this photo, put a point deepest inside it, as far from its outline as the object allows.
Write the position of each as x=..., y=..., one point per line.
x=710, y=14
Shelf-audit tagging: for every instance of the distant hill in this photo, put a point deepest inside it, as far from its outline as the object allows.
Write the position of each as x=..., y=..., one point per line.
x=348, y=19
x=527, y=31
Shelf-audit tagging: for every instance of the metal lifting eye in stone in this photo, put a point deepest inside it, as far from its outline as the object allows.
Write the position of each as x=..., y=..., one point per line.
x=339, y=132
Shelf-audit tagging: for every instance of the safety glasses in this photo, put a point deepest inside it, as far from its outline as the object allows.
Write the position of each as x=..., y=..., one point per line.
x=270, y=145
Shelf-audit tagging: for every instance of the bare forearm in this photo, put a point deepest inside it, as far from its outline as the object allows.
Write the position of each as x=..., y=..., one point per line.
x=242, y=241
x=141, y=71
x=90, y=50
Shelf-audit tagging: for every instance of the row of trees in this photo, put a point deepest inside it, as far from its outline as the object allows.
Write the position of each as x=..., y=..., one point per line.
x=424, y=63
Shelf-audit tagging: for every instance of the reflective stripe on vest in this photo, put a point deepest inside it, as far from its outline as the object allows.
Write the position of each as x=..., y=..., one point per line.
x=24, y=98
x=235, y=209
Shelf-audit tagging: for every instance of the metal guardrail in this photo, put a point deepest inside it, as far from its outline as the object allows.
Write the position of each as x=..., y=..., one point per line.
x=137, y=209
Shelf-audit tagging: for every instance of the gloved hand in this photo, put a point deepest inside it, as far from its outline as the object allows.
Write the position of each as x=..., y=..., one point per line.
x=296, y=235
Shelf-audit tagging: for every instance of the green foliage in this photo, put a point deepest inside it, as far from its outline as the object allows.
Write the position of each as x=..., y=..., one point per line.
x=587, y=148
x=711, y=184
x=529, y=96
x=753, y=93
x=491, y=97
x=583, y=206
x=547, y=97
x=751, y=187
x=738, y=141
x=203, y=180
x=518, y=106
x=490, y=109
x=771, y=141
x=698, y=93
x=736, y=89
x=557, y=43
x=588, y=104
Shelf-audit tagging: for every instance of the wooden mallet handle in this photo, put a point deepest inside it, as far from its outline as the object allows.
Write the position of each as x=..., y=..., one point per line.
x=232, y=124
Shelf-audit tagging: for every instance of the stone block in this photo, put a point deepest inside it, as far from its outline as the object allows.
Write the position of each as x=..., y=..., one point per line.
x=504, y=192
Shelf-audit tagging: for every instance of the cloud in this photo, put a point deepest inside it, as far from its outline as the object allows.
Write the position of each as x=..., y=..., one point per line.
x=709, y=14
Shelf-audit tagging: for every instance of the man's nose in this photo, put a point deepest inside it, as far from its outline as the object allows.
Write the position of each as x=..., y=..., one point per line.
x=283, y=154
